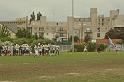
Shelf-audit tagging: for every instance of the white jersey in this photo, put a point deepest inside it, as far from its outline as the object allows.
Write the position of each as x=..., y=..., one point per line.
x=36, y=50
x=85, y=49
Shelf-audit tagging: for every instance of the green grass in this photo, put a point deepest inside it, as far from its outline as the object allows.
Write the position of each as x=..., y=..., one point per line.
x=67, y=67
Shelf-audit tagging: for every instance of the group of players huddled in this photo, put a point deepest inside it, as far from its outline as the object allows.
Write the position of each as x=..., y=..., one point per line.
x=25, y=49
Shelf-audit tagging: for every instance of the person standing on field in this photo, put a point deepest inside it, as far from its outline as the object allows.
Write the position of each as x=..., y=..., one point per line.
x=36, y=50
x=85, y=49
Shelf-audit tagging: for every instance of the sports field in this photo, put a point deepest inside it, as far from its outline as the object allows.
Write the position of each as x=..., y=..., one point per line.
x=67, y=67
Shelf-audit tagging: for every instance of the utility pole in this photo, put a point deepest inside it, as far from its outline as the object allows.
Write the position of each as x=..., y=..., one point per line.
x=26, y=22
x=72, y=25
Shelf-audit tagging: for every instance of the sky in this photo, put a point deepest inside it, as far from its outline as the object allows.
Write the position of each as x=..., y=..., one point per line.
x=56, y=10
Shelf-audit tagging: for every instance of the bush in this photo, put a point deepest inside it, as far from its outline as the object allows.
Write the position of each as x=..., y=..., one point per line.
x=91, y=47
x=79, y=48
x=120, y=42
x=3, y=39
x=20, y=41
x=102, y=47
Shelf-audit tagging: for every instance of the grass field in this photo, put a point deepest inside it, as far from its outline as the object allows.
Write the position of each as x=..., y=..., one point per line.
x=67, y=67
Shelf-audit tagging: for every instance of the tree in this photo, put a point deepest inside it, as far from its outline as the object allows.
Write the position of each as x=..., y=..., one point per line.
x=87, y=38
x=4, y=31
x=76, y=38
x=23, y=33
x=20, y=41
x=101, y=47
x=120, y=42
x=115, y=34
x=91, y=47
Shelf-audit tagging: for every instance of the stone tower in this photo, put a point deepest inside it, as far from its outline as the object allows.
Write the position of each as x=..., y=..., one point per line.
x=113, y=16
x=93, y=16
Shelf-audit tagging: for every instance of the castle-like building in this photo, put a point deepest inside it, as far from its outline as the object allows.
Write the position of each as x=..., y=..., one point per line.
x=95, y=26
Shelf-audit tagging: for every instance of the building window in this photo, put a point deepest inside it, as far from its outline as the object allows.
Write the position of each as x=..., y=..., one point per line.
x=61, y=34
x=61, y=29
x=99, y=20
x=47, y=28
x=98, y=34
x=102, y=20
x=29, y=29
x=98, y=29
x=99, y=24
x=102, y=24
x=57, y=23
x=41, y=34
x=79, y=19
x=41, y=28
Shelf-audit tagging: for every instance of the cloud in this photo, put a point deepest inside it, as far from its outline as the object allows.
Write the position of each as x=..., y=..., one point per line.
x=56, y=9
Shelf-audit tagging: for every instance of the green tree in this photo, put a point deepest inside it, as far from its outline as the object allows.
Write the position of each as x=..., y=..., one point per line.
x=120, y=42
x=87, y=38
x=76, y=38
x=91, y=47
x=115, y=34
x=4, y=31
x=23, y=33
x=102, y=47
x=79, y=48
x=3, y=39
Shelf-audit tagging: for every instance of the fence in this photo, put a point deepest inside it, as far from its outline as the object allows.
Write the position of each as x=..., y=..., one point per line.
x=118, y=46
x=65, y=48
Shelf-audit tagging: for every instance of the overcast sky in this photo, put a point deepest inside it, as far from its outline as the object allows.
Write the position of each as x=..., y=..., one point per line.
x=57, y=10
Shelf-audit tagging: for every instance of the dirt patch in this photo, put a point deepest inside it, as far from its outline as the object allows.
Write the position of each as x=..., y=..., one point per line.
x=108, y=69
x=7, y=81
x=73, y=74
x=26, y=63
x=1, y=64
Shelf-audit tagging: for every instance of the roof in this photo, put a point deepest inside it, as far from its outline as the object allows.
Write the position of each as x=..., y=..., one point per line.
x=11, y=26
x=105, y=41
